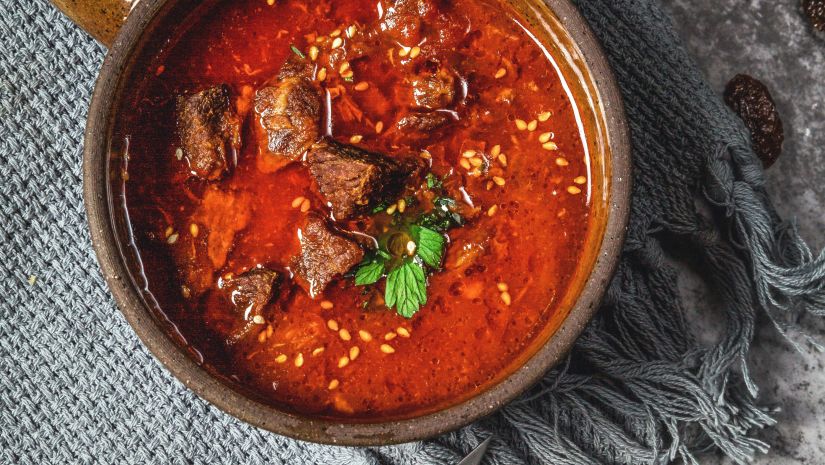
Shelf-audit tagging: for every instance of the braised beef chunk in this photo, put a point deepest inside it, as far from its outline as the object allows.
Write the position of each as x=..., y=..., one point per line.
x=250, y=291
x=209, y=130
x=353, y=180
x=288, y=114
x=434, y=90
x=425, y=121
x=324, y=255
x=405, y=19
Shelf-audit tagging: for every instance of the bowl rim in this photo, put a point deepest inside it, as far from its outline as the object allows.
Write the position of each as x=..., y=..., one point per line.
x=115, y=271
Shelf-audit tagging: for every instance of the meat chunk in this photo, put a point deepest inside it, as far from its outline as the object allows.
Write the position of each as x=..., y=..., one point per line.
x=220, y=216
x=324, y=255
x=209, y=131
x=354, y=180
x=434, y=90
x=405, y=19
x=288, y=115
x=424, y=122
x=250, y=291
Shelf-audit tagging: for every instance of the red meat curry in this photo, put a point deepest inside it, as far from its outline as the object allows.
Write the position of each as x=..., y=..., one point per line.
x=356, y=209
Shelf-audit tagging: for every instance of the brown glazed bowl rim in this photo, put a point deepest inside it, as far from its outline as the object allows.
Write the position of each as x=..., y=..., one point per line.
x=128, y=297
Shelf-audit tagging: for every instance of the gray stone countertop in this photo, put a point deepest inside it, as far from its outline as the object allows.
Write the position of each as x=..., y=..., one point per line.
x=772, y=41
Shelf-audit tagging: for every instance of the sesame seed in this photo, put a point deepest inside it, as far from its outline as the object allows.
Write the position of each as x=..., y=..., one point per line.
x=364, y=335
x=343, y=361
x=402, y=205
x=550, y=146
x=499, y=180
x=322, y=74
x=313, y=53
x=326, y=304
x=258, y=320
x=184, y=290
x=335, y=33
x=464, y=163
x=173, y=238
x=281, y=358
x=168, y=231
x=391, y=209
x=194, y=230
x=544, y=137
x=305, y=206
x=31, y=280
x=402, y=331
x=390, y=336
x=502, y=287
x=410, y=248
x=317, y=351
x=270, y=2
x=492, y=210
x=269, y=330
x=379, y=126
x=297, y=202
x=426, y=155
x=404, y=51
x=415, y=51
x=344, y=67
x=521, y=124
x=502, y=158
x=532, y=125
x=337, y=42
x=362, y=86
x=333, y=325
x=580, y=180
x=387, y=349
x=344, y=334
x=476, y=162
x=299, y=360
x=544, y=116
x=351, y=31
x=505, y=297
x=562, y=161
x=179, y=153
x=333, y=384
x=347, y=74
x=489, y=185
x=355, y=139
x=262, y=336
x=501, y=73
x=574, y=190
x=495, y=151
x=469, y=153
x=354, y=352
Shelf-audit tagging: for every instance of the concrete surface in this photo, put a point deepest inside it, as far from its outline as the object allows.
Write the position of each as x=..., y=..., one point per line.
x=772, y=41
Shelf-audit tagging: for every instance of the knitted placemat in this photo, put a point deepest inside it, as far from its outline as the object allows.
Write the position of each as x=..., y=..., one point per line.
x=78, y=387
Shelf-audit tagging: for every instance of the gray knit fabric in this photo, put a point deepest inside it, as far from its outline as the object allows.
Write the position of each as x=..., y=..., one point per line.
x=78, y=387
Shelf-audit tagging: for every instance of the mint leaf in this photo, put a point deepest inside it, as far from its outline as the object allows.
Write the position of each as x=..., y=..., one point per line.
x=406, y=288
x=369, y=273
x=429, y=245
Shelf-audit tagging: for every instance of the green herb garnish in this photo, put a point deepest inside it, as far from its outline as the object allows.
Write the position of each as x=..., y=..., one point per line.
x=406, y=288
x=297, y=52
x=412, y=247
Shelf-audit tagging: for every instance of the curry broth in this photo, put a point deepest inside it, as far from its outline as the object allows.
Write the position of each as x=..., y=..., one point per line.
x=506, y=271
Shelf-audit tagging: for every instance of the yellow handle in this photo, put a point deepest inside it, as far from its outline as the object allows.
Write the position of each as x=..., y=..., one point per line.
x=102, y=19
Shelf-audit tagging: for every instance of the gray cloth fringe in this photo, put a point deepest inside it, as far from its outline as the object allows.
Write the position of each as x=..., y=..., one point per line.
x=639, y=388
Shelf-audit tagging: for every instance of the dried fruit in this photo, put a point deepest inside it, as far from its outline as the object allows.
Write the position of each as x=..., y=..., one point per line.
x=752, y=101
x=815, y=11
